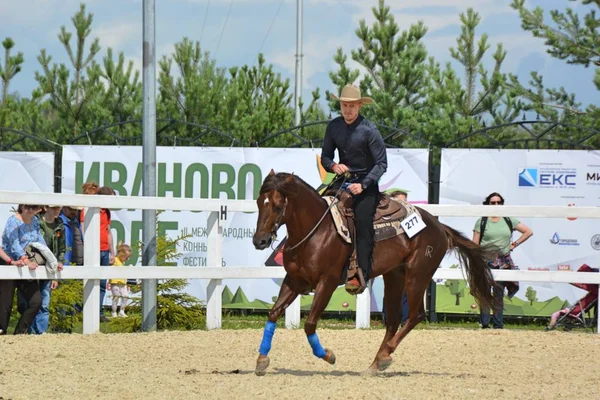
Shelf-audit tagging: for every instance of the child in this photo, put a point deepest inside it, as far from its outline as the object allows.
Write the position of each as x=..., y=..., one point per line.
x=118, y=287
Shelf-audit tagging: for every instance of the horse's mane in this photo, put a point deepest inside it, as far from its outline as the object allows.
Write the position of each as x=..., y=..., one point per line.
x=286, y=186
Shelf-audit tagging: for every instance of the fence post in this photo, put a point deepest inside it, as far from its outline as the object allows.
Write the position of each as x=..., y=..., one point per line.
x=363, y=307
x=292, y=314
x=91, y=258
x=214, y=258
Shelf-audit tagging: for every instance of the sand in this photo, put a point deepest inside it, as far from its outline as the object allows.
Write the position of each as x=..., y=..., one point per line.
x=429, y=364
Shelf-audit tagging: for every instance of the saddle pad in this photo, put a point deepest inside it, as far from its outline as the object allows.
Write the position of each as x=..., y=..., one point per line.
x=338, y=219
x=384, y=230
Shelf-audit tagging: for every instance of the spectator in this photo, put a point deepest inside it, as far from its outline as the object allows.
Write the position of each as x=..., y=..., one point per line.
x=582, y=304
x=6, y=287
x=21, y=229
x=73, y=235
x=495, y=233
x=87, y=188
x=118, y=287
x=399, y=195
x=53, y=231
x=107, y=252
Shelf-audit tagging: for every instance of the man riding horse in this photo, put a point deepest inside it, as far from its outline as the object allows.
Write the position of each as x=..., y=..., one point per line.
x=362, y=154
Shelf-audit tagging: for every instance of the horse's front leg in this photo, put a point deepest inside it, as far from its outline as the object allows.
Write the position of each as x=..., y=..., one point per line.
x=321, y=298
x=285, y=298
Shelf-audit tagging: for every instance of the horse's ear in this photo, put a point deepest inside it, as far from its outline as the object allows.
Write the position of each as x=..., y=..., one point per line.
x=290, y=178
x=271, y=173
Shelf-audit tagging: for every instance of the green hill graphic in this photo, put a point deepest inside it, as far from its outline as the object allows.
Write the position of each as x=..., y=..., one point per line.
x=339, y=298
x=447, y=297
x=226, y=296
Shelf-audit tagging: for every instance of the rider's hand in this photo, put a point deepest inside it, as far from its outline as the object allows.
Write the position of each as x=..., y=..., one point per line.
x=355, y=188
x=340, y=169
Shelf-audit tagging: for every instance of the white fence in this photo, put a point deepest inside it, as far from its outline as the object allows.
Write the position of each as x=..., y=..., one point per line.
x=91, y=273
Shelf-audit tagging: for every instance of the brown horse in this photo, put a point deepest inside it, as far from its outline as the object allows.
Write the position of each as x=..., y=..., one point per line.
x=316, y=256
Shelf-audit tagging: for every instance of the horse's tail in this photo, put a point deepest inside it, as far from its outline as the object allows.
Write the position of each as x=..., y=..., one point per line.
x=473, y=259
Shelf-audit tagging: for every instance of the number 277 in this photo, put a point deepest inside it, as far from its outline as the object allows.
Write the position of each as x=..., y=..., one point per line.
x=411, y=222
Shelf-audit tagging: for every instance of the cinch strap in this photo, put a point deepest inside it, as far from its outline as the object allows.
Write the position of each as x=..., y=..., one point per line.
x=265, y=345
x=318, y=350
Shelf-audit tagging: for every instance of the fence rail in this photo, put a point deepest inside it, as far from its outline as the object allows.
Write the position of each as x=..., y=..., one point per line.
x=91, y=273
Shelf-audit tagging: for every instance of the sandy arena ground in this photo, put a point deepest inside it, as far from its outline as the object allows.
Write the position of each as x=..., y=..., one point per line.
x=430, y=364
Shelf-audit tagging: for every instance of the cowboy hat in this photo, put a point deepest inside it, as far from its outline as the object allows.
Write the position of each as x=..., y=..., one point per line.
x=351, y=93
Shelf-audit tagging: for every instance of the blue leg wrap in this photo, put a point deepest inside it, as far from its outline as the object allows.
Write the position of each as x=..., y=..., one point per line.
x=265, y=345
x=317, y=349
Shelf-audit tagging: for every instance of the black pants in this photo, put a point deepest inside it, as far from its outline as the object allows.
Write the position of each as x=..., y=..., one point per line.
x=365, y=205
x=31, y=293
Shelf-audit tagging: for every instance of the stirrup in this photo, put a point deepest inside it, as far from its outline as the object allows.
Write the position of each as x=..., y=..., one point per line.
x=356, y=285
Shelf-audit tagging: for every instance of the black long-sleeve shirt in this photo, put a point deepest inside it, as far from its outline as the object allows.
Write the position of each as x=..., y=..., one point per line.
x=359, y=145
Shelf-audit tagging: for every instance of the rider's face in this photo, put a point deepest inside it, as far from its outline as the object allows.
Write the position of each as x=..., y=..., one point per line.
x=350, y=110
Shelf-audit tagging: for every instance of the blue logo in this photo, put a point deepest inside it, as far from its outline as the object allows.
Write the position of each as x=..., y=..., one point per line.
x=556, y=239
x=528, y=177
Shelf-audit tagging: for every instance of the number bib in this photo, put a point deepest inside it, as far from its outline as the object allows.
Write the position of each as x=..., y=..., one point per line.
x=412, y=225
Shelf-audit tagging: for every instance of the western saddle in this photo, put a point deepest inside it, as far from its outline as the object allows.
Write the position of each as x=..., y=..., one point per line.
x=387, y=210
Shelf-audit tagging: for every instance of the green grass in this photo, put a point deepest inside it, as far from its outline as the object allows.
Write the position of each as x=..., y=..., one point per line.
x=245, y=320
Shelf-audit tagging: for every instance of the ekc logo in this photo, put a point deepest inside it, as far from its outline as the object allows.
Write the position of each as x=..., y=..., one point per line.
x=548, y=177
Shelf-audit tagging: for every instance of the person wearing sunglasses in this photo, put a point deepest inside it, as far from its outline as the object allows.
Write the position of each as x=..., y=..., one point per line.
x=496, y=233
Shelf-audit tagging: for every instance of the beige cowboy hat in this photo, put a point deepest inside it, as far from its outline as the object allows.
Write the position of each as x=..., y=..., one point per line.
x=351, y=93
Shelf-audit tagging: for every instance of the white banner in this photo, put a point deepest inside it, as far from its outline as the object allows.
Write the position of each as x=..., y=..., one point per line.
x=227, y=173
x=526, y=177
x=24, y=172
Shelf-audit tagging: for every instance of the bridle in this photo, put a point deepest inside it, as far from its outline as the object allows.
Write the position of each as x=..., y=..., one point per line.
x=309, y=234
x=277, y=223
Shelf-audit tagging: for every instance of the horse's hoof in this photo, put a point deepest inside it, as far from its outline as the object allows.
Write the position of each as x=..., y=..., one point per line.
x=261, y=365
x=370, y=371
x=329, y=356
x=382, y=365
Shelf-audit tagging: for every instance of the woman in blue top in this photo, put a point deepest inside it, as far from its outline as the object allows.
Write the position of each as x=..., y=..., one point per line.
x=21, y=229
x=496, y=233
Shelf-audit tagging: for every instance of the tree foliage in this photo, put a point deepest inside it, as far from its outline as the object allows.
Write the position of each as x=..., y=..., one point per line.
x=176, y=309
x=575, y=40
x=96, y=96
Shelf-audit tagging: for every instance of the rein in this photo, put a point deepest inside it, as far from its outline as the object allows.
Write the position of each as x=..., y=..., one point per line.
x=309, y=234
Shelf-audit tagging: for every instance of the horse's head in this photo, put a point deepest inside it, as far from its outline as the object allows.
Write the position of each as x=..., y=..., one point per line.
x=272, y=204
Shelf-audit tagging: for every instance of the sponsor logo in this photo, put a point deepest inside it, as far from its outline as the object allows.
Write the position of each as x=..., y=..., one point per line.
x=592, y=178
x=563, y=242
x=528, y=177
x=548, y=178
x=563, y=267
x=595, y=242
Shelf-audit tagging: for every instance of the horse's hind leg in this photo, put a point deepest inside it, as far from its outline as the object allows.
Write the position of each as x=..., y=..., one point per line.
x=393, y=288
x=322, y=296
x=285, y=298
x=418, y=275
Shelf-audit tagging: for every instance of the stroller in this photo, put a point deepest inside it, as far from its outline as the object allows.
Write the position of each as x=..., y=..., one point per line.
x=575, y=315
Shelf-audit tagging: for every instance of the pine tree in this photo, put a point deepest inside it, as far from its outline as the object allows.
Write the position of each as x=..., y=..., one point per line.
x=453, y=107
x=121, y=99
x=395, y=65
x=576, y=41
x=197, y=95
x=176, y=309
x=572, y=39
x=260, y=101
x=72, y=90
x=11, y=67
